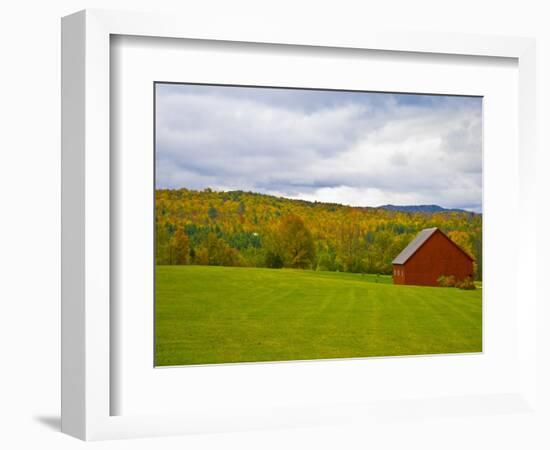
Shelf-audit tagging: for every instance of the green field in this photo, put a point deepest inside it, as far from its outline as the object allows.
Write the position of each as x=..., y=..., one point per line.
x=209, y=314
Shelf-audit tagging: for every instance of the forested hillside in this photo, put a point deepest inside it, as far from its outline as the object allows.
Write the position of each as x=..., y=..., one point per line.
x=247, y=229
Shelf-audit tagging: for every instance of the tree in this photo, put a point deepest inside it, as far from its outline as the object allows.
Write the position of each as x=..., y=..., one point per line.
x=241, y=209
x=212, y=213
x=350, y=246
x=294, y=243
x=216, y=252
x=327, y=258
x=180, y=247
x=478, y=253
x=463, y=240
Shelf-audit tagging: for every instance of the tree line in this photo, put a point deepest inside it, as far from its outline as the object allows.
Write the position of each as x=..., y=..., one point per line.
x=239, y=228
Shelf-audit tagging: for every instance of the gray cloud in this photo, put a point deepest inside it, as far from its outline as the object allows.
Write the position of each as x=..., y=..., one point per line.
x=353, y=148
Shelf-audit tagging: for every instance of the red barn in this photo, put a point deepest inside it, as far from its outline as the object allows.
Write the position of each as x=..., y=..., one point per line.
x=428, y=256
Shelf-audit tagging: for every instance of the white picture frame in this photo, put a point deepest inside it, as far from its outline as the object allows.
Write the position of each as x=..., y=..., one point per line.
x=86, y=220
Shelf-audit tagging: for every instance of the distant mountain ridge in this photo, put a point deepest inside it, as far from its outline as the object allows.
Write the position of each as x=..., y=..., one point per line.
x=429, y=209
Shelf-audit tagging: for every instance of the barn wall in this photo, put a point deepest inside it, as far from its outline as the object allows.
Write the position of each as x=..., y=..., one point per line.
x=438, y=256
x=398, y=274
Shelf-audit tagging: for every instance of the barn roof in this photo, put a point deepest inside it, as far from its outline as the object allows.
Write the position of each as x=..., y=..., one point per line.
x=414, y=245
x=418, y=241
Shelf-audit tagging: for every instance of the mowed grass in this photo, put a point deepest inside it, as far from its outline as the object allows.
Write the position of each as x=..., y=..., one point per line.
x=207, y=314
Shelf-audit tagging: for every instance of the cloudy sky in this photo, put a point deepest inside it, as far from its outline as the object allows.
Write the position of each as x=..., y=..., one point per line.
x=354, y=148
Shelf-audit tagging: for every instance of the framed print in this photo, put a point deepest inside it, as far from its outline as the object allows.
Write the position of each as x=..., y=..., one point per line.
x=266, y=229
x=276, y=236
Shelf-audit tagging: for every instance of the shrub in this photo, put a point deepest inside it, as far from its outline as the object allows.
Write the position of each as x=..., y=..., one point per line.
x=467, y=284
x=273, y=260
x=446, y=281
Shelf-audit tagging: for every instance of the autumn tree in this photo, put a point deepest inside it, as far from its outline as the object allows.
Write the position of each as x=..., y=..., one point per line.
x=471, y=244
x=478, y=254
x=327, y=258
x=180, y=247
x=463, y=240
x=350, y=246
x=294, y=243
x=216, y=252
x=162, y=244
